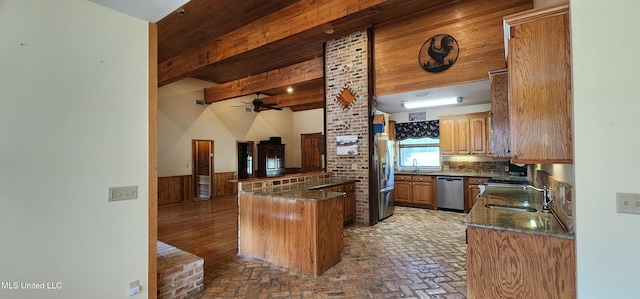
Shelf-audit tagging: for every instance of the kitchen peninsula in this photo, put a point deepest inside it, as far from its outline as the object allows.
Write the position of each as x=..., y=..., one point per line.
x=515, y=250
x=295, y=223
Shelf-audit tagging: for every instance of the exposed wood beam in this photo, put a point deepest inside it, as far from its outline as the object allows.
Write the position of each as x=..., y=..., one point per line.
x=284, y=26
x=293, y=74
x=298, y=98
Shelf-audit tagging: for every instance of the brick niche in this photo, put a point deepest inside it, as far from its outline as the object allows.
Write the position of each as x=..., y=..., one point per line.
x=346, y=68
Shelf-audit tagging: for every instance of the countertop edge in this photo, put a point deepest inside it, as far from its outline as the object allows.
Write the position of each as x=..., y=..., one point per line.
x=523, y=231
x=304, y=191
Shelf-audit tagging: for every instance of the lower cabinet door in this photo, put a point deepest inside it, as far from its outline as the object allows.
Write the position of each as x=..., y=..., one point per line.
x=402, y=192
x=422, y=193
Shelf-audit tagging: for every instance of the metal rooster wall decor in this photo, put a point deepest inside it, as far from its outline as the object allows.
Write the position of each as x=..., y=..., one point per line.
x=438, y=53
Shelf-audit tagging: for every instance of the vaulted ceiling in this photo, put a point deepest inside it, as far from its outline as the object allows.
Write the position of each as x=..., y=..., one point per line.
x=263, y=46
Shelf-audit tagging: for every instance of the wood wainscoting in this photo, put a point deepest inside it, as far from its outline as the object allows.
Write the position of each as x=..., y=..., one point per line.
x=177, y=189
x=222, y=182
x=174, y=189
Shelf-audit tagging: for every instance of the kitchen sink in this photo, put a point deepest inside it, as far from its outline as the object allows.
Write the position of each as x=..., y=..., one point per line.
x=510, y=208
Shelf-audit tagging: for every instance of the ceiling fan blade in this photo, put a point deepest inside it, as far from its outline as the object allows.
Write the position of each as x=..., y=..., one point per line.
x=272, y=107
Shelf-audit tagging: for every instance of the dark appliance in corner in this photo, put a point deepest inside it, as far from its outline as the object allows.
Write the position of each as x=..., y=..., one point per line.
x=383, y=161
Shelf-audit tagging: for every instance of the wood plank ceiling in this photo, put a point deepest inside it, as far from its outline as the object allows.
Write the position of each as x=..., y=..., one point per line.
x=262, y=46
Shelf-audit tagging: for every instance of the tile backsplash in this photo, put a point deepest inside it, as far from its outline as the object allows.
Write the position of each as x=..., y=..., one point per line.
x=492, y=167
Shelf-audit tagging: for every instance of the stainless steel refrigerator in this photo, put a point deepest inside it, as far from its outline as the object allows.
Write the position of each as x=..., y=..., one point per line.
x=383, y=159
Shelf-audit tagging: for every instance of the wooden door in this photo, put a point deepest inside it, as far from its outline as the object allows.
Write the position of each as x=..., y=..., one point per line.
x=540, y=105
x=462, y=136
x=313, y=147
x=447, y=137
x=478, y=135
x=349, y=203
x=423, y=190
x=500, y=110
x=202, y=168
x=402, y=192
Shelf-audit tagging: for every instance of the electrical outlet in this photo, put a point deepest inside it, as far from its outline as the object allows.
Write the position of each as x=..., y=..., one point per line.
x=123, y=193
x=354, y=166
x=628, y=203
x=506, y=168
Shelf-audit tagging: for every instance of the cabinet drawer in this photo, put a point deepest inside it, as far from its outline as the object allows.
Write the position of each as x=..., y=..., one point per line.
x=350, y=187
x=477, y=181
x=402, y=177
x=422, y=178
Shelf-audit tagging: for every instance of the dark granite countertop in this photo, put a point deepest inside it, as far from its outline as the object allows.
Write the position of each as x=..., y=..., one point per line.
x=538, y=223
x=305, y=191
x=448, y=173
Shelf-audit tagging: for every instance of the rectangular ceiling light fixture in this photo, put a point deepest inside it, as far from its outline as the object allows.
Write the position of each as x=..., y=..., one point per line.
x=431, y=103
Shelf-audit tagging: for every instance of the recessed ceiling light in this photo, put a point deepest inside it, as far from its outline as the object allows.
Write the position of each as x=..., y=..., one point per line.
x=289, y=89
x=431, y=103
x=329, y=31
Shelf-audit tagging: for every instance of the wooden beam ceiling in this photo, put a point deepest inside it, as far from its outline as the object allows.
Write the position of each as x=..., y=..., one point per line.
x=298, y=98
x=253, y=54
x=287, y=76
x=303, y=18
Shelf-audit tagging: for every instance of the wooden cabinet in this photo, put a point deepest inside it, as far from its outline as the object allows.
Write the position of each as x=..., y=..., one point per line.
x=415, y=190
x=500, y=113
x=298, y=234
x=348, y=199
x=478, y=134
x=505, y=264
x=472, y=190
x=402, y=189
x=465, y=134
x=462, y=136
x=349, y=203
x=540, y=105
x=270, y=160
x=447, y=133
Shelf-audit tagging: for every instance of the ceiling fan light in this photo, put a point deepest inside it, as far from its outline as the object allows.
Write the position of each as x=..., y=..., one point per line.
x=431, y=103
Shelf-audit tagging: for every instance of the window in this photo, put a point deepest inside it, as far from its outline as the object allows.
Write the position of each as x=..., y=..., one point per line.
x=425, y=151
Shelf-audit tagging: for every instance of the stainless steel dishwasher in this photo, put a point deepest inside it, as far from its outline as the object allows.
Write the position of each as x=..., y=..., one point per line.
x=450, y=193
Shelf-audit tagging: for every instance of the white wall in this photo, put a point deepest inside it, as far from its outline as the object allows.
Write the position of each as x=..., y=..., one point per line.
x=607, y=155
x=542, y=3
x=180, y=120
x=433, y=114
x=73, y=122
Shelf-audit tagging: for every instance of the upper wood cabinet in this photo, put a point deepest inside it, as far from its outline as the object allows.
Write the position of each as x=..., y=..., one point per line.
x=478, y=134
x=539, y=71
x=464, y=134
x=447, y=133
x=500, y=113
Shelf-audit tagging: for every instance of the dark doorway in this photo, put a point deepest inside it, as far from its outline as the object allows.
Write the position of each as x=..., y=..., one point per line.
x=245, y=160
x=312, y=152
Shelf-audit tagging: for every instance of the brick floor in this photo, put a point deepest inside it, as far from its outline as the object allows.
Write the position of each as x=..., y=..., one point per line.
x=416, y=253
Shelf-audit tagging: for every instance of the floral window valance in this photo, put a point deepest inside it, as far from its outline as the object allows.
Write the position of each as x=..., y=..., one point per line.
x=419, y=129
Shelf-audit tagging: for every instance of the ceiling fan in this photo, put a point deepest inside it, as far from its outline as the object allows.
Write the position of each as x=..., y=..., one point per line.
x=258, y=104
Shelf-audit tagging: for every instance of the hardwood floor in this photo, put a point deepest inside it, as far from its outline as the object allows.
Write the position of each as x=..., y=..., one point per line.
x=208, y=229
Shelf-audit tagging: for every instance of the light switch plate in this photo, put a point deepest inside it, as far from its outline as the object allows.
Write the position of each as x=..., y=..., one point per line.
x=123, y=193
x=628, y=202
x=134, y=288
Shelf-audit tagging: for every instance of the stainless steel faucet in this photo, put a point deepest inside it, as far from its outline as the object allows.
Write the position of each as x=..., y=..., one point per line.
x=415, y=164
x=545, y=196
